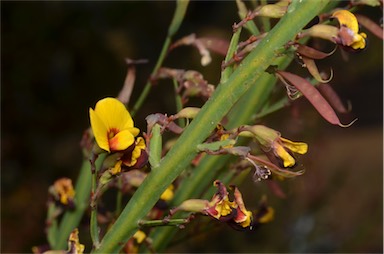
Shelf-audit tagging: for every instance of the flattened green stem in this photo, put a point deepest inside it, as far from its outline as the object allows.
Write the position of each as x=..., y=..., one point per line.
x=225, y=96
x=181, y=8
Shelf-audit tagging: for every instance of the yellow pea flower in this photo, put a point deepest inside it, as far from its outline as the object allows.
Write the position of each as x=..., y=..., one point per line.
x=112, y=125
x=74, y=244
x=63, y=191
x=243, y=217
x=349, y=29
x=281, y=146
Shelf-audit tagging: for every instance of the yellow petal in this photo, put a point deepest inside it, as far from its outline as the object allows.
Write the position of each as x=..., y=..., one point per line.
x=117, y=168
x=99, y=130
x=288, y=160
x=359, y=41
x=347, y=19
x=168, y=193
x=224, y=208
x=114, y=114
x=74, y=243
x=121, y=141
x=248, y=219
x=139, y=236
x=296, y=147
x=135, y=131
x=268, y=216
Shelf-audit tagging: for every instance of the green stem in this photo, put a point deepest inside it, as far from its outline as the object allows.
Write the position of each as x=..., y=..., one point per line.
x=178, y=17
x=94, y=228
x=148, y=85
x=265, y=20
x=119, y=197
x=179, y=103
x=225, y=96
x=71, y=219
x=157, y=223
x=283, y=102
x=52, y=229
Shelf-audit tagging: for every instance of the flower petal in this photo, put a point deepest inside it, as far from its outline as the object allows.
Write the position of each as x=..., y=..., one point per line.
x=99, y=129
x=114, y=114
x=117, y=168
x=135, y=131
x=296, y=147
x=346, y=18
x=288, y=160
x=359, y=41
x=121, y=141
x=168, y=193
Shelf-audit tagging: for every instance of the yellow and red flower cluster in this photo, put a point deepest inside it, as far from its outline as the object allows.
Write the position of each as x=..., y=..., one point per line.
x=234, y=213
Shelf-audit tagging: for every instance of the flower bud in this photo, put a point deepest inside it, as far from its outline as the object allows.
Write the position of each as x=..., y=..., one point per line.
x=188, y=112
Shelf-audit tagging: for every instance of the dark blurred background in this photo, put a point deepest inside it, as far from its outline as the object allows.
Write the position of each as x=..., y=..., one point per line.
x=60, y=58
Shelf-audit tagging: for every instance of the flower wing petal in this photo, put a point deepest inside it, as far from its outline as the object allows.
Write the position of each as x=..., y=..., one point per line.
x=99, y=129
x=296, y=147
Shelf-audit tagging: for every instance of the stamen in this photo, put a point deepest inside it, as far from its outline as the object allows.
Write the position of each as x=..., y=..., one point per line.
x=261, y=172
